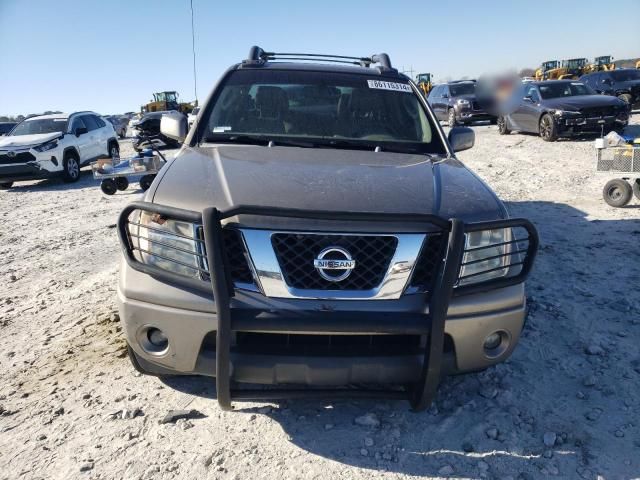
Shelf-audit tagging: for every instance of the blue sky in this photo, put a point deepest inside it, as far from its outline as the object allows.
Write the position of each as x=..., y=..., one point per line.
x=109, y=56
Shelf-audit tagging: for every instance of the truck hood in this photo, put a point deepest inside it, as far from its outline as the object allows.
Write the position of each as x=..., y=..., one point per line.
x=574, y=104
x=324, y=179
x=27, y=140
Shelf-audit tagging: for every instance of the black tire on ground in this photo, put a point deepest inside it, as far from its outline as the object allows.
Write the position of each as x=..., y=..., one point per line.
x=122, y=183
x=502, y=126
x=617, y=192
x=625, y=97
x=451, y=117
x=146, y=181
x=636, y=188
x=547, y=128
x=6, y=185
x=108, y=186
x=114, y=149
x=71, y=167
x=122, y=134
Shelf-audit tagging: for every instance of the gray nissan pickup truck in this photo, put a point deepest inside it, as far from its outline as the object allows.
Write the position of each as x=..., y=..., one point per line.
x=317, y=234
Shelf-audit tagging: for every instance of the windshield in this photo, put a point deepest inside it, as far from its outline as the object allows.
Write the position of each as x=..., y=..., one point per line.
x=462, y=89
x=564, y=89
x=333, y=110
x=625, y=75
x=45, y=125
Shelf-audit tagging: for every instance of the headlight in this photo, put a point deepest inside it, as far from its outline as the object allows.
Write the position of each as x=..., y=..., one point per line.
x=486, y=255
x=50, y=145
x=565, y=113
x=462, y=101
x=168, y=244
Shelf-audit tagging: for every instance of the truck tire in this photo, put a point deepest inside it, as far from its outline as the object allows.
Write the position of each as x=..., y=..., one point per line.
x=617, y=193
x=6, y=185
x=626, y=98
x=636, y=188
x=451, y=116
x=114, y=149
x=71, y=167
x=547, y=128
x=503, y=129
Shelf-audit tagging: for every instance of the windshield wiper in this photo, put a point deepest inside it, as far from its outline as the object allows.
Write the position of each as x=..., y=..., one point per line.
x=260, y=140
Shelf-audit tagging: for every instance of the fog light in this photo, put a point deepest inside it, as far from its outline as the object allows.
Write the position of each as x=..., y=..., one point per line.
x=157, y=338
x=493, y=341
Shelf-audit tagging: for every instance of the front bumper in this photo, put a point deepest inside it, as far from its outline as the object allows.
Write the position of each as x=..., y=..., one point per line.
x=25, y=171
x=28, y=164
x=465, y=114
x=469, y=321
x=580, y=125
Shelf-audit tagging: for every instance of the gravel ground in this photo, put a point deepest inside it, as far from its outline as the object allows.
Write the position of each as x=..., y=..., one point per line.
x=567, y=403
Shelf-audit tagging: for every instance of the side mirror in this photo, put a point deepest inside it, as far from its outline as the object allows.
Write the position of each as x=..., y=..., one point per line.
x=528, y=98
x=80, y=131
x=174, y=125
x=461, y=138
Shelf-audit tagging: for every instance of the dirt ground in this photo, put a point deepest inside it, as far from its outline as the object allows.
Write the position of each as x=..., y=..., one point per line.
x=567, y=404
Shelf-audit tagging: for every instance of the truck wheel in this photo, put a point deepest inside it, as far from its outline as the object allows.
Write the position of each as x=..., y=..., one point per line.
x=636, y=188
x=122, y=183
x=114, y=150
x=452, y=117
x=617, y=193
x=108, y=186
x=626, y=98
x=6, y=185
x=71, y=165
x=548, y=128
x=146, y=181
x=502, y=126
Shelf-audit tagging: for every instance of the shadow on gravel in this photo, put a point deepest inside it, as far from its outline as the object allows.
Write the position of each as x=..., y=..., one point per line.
x=56, y=184
x=493, y=423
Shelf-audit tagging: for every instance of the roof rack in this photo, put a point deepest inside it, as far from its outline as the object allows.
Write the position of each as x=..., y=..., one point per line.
x=258, y=56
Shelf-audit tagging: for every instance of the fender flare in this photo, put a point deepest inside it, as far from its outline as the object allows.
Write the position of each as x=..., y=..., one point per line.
x=71, y=148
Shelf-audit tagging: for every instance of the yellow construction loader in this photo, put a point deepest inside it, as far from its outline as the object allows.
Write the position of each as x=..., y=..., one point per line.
x=638, y=64
x=166, y=101
x=600, y=64
x=572, y=68
x=423, y=80
x=545, y=69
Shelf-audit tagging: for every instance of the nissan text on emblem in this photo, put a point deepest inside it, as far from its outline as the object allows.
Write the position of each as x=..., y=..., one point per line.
x=334, y=264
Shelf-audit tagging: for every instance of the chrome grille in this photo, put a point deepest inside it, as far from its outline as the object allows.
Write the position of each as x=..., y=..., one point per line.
x=295, y=253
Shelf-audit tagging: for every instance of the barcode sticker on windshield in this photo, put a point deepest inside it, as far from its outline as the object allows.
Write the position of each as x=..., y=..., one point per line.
x=396, y=87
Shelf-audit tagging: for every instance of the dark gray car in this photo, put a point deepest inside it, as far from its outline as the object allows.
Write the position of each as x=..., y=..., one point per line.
x=623, y=83
x=456, y=103
x=317, y=230
x=562, y=108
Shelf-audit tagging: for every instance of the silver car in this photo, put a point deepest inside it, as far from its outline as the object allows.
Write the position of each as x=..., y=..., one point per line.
x=316, y=232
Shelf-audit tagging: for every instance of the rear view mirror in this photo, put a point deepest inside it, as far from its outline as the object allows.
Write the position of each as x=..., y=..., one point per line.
x=80, y=131
x=461, y=138
x=445, y=95
x=174, y=125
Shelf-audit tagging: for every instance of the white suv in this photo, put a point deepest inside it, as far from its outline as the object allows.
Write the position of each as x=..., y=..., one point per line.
x=51, y=145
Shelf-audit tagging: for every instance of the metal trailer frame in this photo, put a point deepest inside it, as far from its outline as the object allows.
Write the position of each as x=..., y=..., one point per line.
x=627, y=169
x=430, y=322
